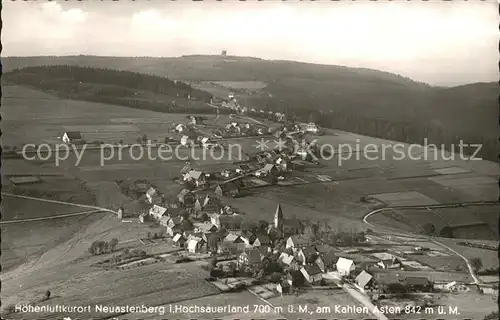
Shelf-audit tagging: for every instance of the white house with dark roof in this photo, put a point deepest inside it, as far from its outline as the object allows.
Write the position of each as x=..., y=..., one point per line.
x=286, y=259
x=180, y=127
x=232, y=243
x=186, y=169
x=297, y=242
x=389, y=263
x=151, y=194
x=326, y=261
x=261, y=240
x=307, y=254
x=72, y=137
x=197, y=177
x=187, y=141
x=195, y=244
x=206, y=227
x=250, y=258
x=312, y=273
x=179, y=240
x=364, y=280
x=345, y=266
x=248, y=237
x=157, y=212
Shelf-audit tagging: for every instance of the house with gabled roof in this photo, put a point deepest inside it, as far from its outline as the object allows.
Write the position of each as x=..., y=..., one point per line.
x=152, y=192
x=227, y=189
x=233, y=237
x=234, y=242
x=206, y=227
x=157, y=212
x=186, y=169
x=248, y=237
x=180, y=127
x=187, y=141
x=261, y=240
x=307, y=254
x=195, y=176
x=286, y=259
x=229, y=222
x=231, y=244
x=327, y=261
x=364, y=280
x=345, y=266
x=390, y=263
x=195, y=244
x=312, y=274
x=212, y=239
x=268, y=169
x=210, y=204
x=179, y=240
x=179, y=225
x=186, y=197
x=250, y=258
x=297, y=242
x=72, y=137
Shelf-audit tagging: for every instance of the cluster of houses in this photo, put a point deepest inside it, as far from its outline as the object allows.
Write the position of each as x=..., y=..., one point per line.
x=233, y=104
x=204, y=225
x=236, y=129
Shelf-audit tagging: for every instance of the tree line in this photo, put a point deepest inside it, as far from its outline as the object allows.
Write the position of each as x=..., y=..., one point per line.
x=402, y=131
x=131, y=89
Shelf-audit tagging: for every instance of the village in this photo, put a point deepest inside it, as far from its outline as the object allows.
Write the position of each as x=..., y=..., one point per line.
x=282, y=255
x=269, y=254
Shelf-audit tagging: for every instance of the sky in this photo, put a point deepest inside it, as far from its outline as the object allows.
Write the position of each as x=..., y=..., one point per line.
x=441, y=43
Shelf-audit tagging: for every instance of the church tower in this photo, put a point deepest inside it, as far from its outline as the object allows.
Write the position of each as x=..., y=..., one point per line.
x=278, y=218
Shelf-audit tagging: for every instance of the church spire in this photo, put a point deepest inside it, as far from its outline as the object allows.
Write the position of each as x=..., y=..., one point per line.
x=278, y=218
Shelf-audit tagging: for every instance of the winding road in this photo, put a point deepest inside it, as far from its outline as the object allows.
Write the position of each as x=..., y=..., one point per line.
x=429, y=238
x=93, y=209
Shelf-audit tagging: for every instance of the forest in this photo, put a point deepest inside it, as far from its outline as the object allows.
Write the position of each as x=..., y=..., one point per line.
x=131, y=89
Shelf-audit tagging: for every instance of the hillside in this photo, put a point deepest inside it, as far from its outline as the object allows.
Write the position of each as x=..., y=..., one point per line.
x=112, y=86
x=356, y=99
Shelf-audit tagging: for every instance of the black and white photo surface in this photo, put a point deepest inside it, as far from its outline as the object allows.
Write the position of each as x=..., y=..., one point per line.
x=249, y=160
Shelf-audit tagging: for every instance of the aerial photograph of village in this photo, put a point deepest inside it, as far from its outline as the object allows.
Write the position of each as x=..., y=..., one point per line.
x=214, y=160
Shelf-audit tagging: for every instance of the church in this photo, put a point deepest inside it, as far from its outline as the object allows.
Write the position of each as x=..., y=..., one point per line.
x=285, y=227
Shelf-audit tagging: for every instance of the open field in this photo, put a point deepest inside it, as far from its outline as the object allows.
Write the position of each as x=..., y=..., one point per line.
x=245, y=85
x=18, y=209
x=452, y=263
x=23, y=243
x=488, y=257
x=435, y=276
x=48, y=117
x=404, y=199
x=72, y=286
